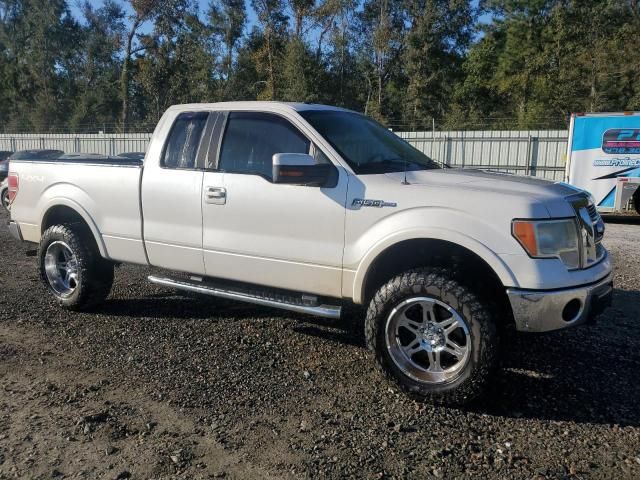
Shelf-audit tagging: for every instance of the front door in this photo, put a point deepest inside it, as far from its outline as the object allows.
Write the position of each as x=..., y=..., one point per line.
x=255, y=231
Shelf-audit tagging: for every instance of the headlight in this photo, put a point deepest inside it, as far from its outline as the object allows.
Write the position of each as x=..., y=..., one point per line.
x=549, y=239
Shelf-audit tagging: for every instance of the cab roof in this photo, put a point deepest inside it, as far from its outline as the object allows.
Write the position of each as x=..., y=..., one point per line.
x=266, y=106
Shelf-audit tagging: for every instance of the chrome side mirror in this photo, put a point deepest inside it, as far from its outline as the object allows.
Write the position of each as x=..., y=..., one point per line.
x=300, y=169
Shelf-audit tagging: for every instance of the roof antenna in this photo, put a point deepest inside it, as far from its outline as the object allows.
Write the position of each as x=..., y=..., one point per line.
x=404, y=182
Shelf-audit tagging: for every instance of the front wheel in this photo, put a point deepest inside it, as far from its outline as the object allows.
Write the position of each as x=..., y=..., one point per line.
x=71, y=267
x=636, y=200
x=433, y=336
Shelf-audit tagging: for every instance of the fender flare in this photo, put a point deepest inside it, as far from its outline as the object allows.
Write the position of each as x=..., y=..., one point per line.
x=493, y=260
x=76, y=207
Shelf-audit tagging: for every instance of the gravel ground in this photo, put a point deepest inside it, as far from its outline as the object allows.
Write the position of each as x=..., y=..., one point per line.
x=157, y=384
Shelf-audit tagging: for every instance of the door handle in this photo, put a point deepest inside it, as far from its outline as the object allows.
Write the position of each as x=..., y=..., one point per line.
x=216, y=195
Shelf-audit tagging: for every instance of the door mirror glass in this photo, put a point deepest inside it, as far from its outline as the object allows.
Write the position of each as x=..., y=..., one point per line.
x=300, y=169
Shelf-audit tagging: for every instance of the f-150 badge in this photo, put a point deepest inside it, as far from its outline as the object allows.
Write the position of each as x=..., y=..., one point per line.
x=365, y=202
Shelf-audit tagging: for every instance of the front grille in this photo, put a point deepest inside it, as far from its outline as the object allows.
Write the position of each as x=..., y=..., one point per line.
x=591, y=229
x=593, y=212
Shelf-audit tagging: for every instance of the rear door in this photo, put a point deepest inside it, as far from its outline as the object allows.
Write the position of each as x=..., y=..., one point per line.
x=255, y=231
x=171, y=196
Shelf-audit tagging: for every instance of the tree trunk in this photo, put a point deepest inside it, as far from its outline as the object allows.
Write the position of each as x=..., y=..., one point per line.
x=380, y=80
x=124, y=78
x=272, y=85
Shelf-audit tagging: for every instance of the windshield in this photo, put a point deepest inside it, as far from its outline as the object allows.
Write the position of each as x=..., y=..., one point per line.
x=366, y=145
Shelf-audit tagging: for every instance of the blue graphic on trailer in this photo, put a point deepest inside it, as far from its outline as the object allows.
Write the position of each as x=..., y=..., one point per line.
x=621, y=141
x=588, y=131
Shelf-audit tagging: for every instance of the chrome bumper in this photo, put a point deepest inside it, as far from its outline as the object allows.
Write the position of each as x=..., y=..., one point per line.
x=14, y=229
x=545, y=310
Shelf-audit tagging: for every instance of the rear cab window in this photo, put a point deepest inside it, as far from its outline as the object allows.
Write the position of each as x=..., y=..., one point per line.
x=181, y=149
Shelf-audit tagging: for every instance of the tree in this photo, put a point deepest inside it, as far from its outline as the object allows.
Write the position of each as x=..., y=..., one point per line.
x=540, y=60
x=143, y=11
x=336, y=20
x=98, y=71
x=227, y=19
x=39, y=45
x=271, y=38
x=302, y=10
x=301, y=69
x=178, y=64
x=439, y=34
x=528, y=64
x=381, y=30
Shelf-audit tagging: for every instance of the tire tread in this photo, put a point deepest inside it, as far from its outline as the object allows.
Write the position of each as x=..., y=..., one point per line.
x=96, y=273
x=467, y=303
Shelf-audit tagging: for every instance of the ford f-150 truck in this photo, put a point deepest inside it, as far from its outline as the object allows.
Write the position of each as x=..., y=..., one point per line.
x=308, y=208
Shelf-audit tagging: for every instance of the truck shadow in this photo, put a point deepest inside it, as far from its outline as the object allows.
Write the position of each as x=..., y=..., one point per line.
x=183, y=307
x=588, y=374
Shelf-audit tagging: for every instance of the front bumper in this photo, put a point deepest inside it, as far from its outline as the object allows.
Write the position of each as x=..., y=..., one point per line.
x=14, y=229
x=545, y=310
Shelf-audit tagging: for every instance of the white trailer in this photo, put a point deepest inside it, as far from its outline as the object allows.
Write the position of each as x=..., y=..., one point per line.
x=603, y=157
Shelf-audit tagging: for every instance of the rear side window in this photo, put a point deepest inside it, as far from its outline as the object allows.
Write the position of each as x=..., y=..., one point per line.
x=184, y=140
x=251, y=140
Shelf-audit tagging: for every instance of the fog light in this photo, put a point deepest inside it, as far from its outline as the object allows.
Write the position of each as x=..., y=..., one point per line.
x=571, y=310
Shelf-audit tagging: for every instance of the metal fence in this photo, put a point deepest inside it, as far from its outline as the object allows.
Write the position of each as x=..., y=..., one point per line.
x=105, y=144
x=540, y=153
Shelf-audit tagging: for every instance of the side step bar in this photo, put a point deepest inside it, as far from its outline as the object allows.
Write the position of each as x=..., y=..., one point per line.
x=327, y=311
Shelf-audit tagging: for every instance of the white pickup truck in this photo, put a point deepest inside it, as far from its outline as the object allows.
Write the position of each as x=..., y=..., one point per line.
x=308, y=207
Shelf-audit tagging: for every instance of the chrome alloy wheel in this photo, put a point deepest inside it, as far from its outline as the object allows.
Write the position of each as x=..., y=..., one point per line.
x=427, y=340
x=61, y=267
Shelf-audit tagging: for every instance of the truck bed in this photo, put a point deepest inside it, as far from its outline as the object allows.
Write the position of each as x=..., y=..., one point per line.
x=105, y=190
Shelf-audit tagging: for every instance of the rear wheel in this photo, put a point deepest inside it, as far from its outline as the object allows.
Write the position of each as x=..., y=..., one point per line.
x=71, y=267
x=433, y=336
x=636, y=200
x=5, y=198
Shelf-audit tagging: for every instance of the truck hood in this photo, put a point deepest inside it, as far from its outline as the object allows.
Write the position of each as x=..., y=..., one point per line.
x=547, y=193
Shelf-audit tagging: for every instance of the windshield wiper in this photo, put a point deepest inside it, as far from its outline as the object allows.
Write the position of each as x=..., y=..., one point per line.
x=421, y=165
x=402, y=162
x=393, y=164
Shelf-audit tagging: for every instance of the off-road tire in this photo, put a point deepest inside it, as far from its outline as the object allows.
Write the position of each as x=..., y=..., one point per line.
x=5, y=199
x=95, y=274
x=440, y=284
x=636, y=200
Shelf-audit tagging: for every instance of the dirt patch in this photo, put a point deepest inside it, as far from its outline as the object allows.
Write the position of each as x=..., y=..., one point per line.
x=60, y=420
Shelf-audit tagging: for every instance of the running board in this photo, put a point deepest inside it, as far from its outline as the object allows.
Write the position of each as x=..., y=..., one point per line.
x=327, y=311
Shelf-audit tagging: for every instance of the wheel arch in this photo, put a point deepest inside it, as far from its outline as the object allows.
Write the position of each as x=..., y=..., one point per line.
x=67, y=211
x=474, y=266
